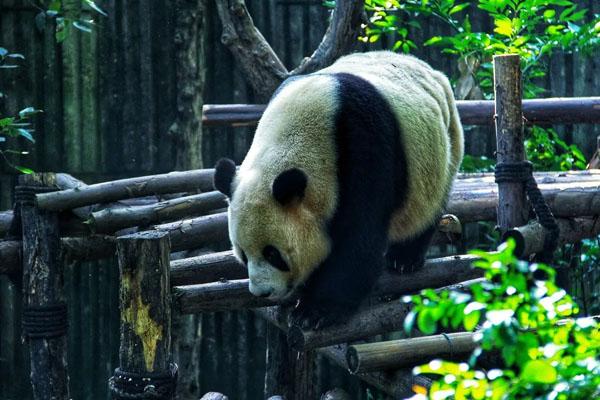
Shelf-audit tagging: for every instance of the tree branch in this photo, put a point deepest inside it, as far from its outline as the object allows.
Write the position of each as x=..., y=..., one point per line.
x=339, y=39
x=261, y=66
x=263, y=70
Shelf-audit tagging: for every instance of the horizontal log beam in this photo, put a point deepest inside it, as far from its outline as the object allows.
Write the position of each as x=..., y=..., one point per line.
x=174, y=182
x=397, y=383
x=368, y=321
x=113, y=219
x=235, y=294
x=530, y=238
x=575, y=110
x=401, y=353
x=184, y=235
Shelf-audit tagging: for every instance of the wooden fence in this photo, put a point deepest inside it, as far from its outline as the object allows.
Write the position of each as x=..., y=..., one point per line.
x=108, y=100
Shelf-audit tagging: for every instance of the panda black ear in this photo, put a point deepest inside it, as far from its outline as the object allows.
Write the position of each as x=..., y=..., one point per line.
x=224, y=174
x=289, y=186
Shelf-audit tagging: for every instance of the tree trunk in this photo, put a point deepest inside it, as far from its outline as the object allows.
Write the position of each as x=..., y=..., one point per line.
x=190, y=27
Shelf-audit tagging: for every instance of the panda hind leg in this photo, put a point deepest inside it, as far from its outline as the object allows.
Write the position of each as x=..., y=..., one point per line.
x=409, y=256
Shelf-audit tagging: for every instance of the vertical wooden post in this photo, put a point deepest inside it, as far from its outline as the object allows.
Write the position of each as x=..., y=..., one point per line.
x=44, y=309
x=145, y=304
x=289, y=373
x=512, y=204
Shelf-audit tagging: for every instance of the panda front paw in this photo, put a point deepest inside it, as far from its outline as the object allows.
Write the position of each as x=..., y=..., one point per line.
x=317, y=315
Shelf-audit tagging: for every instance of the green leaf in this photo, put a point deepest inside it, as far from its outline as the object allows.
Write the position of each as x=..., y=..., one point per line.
x=95, y=7
x=24, y=170
x=433, y=40
x=458, y=8
x=503, y=26
x=539, y=371
x=82, y=27
x=549, y=13
x=26, y=112
x=471, y=320
x=26, y=134
x=409, y=322
x=426, y=322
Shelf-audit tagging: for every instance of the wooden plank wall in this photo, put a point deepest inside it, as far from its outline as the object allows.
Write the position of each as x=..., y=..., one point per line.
x=108, y=99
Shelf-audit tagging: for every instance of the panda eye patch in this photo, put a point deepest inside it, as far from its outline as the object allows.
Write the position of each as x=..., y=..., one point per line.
x=273, y=257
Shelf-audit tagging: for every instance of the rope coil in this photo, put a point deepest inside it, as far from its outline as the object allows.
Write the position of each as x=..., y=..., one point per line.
x=126, y=385
x=522, y=172
x=45, y=321
x=26, y=194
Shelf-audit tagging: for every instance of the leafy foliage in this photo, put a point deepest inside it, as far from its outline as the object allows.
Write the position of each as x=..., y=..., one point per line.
x=531, y=28
x=548, y=152
x=520, y=313
x=15, y=126
x=67, y=19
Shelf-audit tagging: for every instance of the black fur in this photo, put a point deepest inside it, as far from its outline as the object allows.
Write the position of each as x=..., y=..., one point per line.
x=372, y=179
x=409, y=256
x=224, y=174
x=289, y=186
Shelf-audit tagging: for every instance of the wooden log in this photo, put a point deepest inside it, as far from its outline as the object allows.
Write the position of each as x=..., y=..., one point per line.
x=474, y=198
x=145, y=331
x=45, y=312
x=214, y=396
x=397, y=384
x=6, y=218
x=288, y=373
x=560, y=110
x=235, y=294
x=368, y=321
x=187, y=234
x=513, y=209
x=394, y=354
x=206, y=268
x=114, y=219
x=174, y=182
x=195, y=232
x=565, y=201
x=530, y=238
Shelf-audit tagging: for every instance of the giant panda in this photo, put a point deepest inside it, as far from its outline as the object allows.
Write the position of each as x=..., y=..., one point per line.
x=349, y=170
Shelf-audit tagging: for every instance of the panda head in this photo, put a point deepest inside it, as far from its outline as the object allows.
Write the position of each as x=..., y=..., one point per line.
x=273, y=228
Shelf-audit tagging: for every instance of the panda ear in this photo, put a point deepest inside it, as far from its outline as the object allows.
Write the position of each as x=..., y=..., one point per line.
x=289, y=186
x=224, y=174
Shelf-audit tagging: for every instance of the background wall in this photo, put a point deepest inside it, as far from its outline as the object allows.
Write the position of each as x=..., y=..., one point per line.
x=109, y=108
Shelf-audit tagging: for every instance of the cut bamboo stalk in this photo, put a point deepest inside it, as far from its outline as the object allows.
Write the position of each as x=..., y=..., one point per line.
x=174, y=182
x=400, y=353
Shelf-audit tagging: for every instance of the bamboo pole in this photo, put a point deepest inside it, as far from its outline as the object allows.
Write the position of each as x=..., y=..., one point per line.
x=512, y=203
x=574, y=110
x=400, y=353
x=45, y=311
x=174, y=182
x=145, y=350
